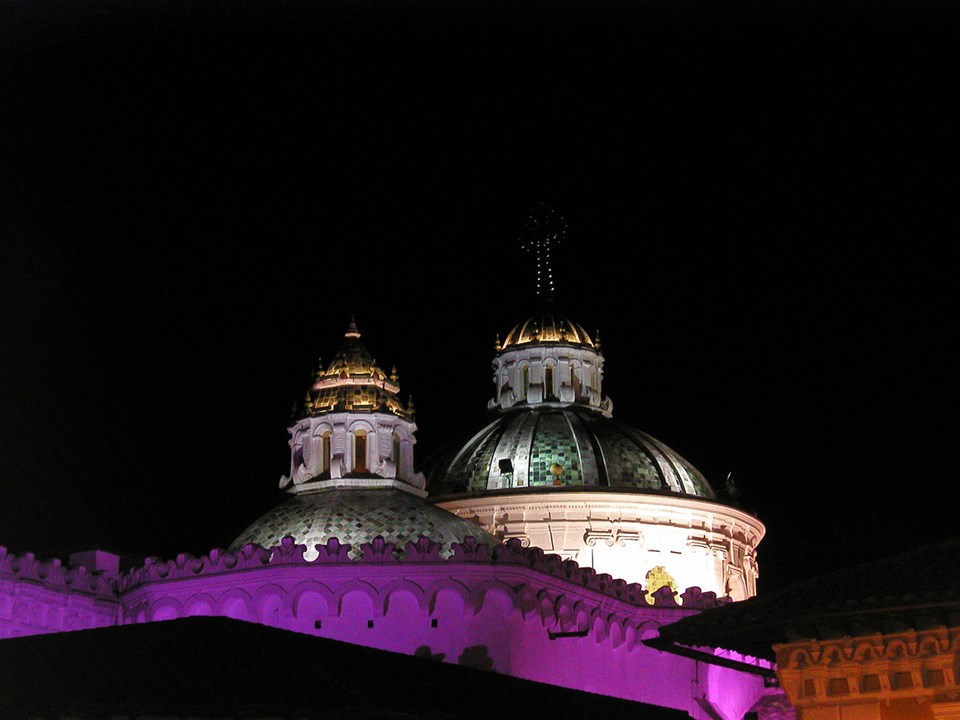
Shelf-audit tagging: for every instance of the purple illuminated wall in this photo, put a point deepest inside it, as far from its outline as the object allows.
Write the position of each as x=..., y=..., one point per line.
x=510, y=609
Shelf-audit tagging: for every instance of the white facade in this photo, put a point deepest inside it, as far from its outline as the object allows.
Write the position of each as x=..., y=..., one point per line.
x=637, y=537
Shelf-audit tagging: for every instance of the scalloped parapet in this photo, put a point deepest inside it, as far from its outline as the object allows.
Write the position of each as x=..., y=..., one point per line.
x=53, y=574
x=424, y=550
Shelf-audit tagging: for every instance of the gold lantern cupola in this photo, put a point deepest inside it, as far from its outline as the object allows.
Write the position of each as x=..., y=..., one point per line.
x=353, y=382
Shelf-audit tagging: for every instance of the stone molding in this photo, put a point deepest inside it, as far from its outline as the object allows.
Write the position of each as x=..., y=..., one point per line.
x=879, y=667
x=612, y=536
x=599, y=507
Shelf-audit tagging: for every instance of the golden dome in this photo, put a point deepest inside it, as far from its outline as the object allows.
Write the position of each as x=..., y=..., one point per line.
x=353, y=382
x=545, y=327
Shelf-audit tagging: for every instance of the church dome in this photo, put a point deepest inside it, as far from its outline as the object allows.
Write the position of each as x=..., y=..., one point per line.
x=353, y=382
x=356, y=517
x=566, y=448
x=545, y=327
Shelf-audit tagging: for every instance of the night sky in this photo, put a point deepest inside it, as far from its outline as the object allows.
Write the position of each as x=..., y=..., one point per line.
x=196, y=196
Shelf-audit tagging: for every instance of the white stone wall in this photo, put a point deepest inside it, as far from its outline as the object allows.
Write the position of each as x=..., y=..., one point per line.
x=699, y=543
x=340, y=429
x=520, y=376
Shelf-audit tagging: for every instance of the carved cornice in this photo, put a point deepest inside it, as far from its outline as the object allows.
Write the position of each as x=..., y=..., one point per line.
x=613, y=536
x=597, y=506
x=709, y=545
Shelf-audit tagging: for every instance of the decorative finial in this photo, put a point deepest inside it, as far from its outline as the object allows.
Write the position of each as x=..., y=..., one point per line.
x=544, y=229
x=319, y=372
x=596, y=340
x=308, y=403
x=394, y=378
x=410, y=407
x=352, y=331
x=497, y=344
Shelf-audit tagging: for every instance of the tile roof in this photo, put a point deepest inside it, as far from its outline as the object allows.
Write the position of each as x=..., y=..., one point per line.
x=918, y=589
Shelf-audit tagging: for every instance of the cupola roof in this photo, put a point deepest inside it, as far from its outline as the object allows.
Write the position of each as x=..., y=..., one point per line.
x=547, y=327
x=358, y=516
x=353, y=382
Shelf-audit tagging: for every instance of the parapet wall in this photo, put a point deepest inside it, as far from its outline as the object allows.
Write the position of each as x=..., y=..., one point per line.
x=509, y=608
x=47, y=596
x=424, y=550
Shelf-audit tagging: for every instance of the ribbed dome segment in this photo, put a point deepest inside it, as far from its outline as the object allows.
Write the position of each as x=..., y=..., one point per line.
x=357, y=517
x=566, y=447
x=545, y=327
x=353, y=382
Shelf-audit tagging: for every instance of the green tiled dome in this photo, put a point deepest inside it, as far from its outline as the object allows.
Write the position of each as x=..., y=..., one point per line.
x=357, y=517
x=566, y=447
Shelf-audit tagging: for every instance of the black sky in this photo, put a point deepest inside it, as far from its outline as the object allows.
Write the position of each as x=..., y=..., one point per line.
x=196, y=196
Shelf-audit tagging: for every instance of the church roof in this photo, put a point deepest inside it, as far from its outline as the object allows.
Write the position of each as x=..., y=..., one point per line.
x=358, y=516
x=566, y=447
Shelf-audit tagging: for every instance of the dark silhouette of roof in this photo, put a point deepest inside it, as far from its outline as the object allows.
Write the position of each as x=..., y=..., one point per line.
x=220, y=668
x=917, y=589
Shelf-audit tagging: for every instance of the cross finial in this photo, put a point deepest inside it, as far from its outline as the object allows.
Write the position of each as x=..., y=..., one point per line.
x=544, y=230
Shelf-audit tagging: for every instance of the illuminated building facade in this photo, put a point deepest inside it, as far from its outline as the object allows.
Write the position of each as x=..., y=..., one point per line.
x=356, y=554
x=561, y=542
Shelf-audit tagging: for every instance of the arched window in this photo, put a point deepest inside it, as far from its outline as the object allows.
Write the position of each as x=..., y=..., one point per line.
x=574, y=381
x=525, y=380
x=396, y=452
x=360, y=451
x=325, y=452
x=548, y=382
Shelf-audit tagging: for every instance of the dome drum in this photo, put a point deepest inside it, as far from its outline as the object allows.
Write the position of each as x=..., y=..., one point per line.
x=351, y=445
x=552, y=374
x=692, y=541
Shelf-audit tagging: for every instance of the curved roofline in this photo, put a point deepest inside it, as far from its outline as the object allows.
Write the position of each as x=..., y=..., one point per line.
x=657, y=496
x=600, y=489
x=550, y=343
x=689, y=480
x=355, y=483
x=514, y=337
